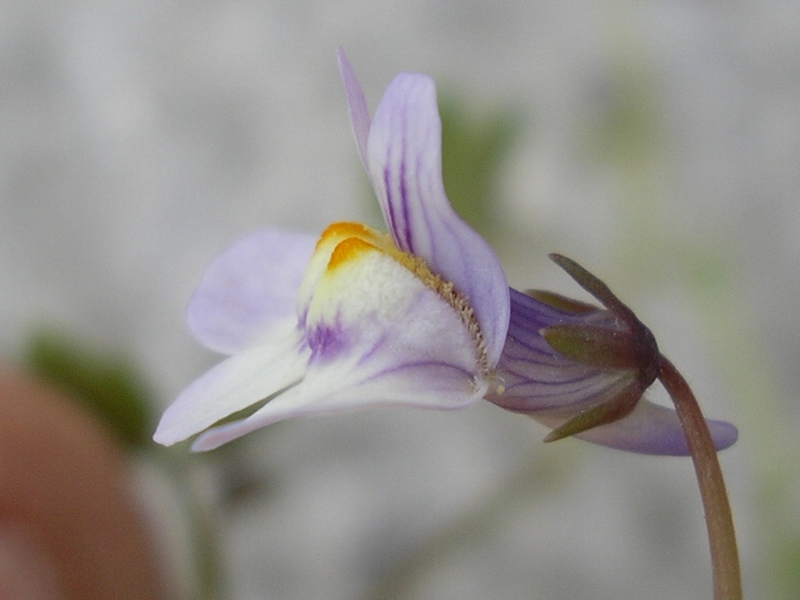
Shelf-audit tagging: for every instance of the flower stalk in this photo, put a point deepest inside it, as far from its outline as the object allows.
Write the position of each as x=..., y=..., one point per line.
x=642, y=354
x=719, y=521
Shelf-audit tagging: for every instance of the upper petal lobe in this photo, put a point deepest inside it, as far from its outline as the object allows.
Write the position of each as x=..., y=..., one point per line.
x=249, y=289
x=405, y=165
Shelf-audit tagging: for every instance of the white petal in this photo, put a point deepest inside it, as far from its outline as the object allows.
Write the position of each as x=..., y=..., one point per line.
x=334, y=389
x=235, y=384
x=318, y=264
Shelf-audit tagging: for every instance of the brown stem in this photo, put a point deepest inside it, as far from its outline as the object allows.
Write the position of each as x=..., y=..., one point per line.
x=721, y=535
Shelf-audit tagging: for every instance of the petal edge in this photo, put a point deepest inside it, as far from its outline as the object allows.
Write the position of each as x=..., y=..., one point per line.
x=649, y=429
x=357, y=103
x=233, y=385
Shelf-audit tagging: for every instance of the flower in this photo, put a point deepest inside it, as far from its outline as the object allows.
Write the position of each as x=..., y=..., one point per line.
x=582, y=371
x=417, y=317
x=421, y=316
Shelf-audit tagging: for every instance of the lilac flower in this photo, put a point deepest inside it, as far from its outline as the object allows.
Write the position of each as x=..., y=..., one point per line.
x=418, y=317
x=421, y=316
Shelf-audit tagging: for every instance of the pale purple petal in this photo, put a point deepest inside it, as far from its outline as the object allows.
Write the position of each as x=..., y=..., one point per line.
x=405, y=166
x=359, y=112
x=233, y=385
x=249, y=289
x=375, y=350
x=533, y=375
x=649, y=429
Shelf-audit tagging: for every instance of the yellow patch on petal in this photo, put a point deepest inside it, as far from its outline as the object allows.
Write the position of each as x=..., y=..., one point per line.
x=349, y=249
x=330, y=239
x=338, y=232
x=342, y=230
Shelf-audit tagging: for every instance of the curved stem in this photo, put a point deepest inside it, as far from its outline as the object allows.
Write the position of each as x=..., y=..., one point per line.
x=721, y=535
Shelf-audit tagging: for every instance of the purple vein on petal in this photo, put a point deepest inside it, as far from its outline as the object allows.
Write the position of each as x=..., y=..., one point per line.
x=405, y=165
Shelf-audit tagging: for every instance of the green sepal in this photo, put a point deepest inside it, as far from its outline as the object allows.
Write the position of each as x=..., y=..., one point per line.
x=606, y=411
x=562, y=302
x=635, y=347
x=594, y=346
x=595, y=287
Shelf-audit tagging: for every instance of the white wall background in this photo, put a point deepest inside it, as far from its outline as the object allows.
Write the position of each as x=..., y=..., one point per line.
x=138, y=139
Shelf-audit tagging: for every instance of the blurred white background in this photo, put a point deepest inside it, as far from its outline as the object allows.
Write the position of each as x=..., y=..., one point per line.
x=659, y=145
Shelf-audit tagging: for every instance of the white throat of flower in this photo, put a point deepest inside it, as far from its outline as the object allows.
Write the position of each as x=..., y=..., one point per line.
x=343, y=242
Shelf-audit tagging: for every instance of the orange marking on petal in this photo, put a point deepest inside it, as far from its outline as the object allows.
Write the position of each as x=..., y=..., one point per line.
x=349, y=249
x=344, y=230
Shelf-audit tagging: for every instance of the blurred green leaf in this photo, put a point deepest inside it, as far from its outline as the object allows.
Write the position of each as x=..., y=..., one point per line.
x=627, y=128
x=786, y=581
x=473, y=149
x=107, y=385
